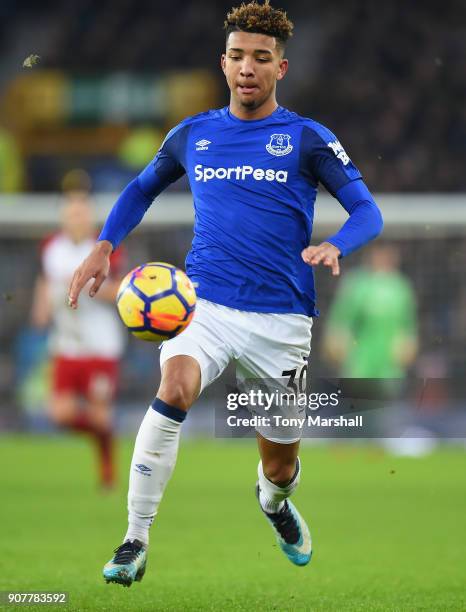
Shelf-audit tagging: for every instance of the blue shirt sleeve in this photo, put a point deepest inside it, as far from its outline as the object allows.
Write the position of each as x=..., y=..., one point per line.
x=324, y=160
x=365, y=219
x=167, y=167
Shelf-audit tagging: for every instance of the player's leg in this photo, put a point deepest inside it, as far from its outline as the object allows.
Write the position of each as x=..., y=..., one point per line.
x=156, y=446
x=101, y=376
x=76, y=380
x=278, y=476
x=154, y=458
x=189, y=363
x=278, y=472
x=63, y=408
x=99, y=413
x=279, y=345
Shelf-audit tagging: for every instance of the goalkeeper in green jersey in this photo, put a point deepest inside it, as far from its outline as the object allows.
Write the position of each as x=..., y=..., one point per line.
x=371, y=330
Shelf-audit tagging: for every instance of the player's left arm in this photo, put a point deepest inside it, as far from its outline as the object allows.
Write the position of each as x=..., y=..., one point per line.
x=364, y=224
x=328, y=163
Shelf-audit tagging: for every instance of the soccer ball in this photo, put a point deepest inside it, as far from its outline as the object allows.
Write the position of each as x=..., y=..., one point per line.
x=156, y=301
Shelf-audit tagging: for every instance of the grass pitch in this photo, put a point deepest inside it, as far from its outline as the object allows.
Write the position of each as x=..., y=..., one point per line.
x=389, y=533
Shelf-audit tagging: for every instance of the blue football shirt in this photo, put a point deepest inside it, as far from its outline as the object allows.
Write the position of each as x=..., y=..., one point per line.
x=254, y=185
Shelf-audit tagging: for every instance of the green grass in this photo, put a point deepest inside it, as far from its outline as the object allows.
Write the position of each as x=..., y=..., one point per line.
x=389, y=533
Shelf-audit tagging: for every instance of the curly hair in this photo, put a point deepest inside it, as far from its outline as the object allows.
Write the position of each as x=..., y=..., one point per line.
x=259, y=19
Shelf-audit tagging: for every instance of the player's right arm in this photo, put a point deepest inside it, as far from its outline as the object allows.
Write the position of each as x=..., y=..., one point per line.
x=96, y=266
x=41, y=310
x=128, y=212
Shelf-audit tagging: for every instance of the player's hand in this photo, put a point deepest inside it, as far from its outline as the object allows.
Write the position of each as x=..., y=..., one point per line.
x=96, y=265
x=325, y=253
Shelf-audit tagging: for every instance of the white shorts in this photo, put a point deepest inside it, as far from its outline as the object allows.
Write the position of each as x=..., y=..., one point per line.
x=263, y=345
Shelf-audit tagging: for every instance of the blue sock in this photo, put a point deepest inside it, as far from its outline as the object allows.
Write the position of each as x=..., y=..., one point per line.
x=171, y=412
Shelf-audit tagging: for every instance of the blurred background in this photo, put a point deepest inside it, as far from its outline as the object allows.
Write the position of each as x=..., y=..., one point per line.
x=95, y=86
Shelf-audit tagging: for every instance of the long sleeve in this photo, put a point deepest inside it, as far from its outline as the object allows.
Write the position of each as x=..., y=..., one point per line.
x=365, y=219
x=138, y=195
x=324, y=160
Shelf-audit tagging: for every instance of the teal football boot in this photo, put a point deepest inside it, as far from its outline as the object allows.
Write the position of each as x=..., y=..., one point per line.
x=127, y=564
x=291, y=531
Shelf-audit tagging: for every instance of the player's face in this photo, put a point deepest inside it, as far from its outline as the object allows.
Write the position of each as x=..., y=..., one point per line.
x=253, y=64
x=77, y=221
x=383, y=258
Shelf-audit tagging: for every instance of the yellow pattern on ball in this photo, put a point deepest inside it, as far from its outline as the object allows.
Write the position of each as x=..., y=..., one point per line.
x=153, y=318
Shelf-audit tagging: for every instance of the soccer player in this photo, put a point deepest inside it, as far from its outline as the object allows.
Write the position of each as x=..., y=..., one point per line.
x=253, y=168
x=86, y=344
x=371, y=329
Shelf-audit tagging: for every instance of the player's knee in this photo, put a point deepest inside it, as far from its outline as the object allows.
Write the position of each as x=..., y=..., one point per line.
x=62, y=419
x=176, y=393
x=61, y=410
x=180, y=383
x=278, y=472
x=101, y=419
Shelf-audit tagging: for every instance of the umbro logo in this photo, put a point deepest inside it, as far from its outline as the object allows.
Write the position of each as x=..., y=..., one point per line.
x=143, y=469
x=202, y=145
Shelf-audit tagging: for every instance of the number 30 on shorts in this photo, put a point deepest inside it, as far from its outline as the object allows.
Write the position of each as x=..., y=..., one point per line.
x=297, y=383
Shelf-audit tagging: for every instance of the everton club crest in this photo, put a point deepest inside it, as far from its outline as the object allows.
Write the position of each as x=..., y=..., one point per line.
x=279, y=144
